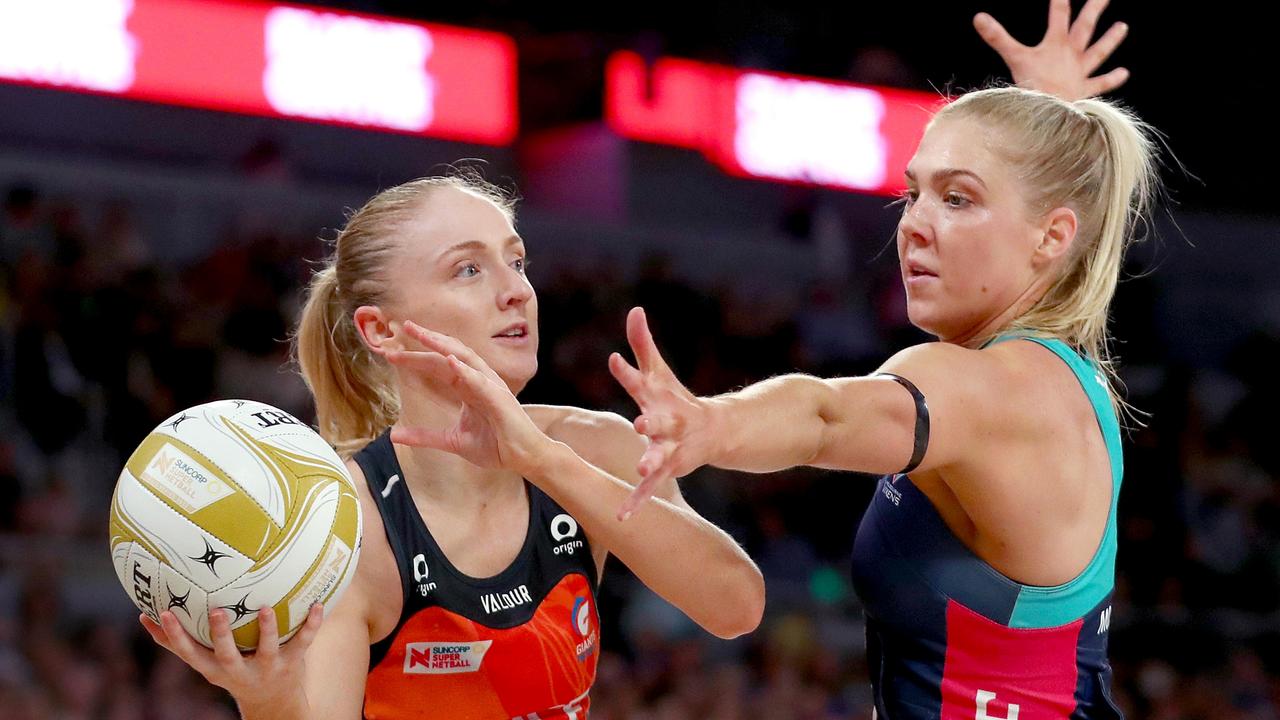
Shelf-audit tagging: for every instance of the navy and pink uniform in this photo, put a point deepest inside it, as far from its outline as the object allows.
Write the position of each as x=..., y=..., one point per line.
x=522, y=644
x=950, y=637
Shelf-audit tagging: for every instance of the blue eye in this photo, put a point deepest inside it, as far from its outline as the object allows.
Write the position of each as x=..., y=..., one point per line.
x=468, y=270
x=520, y=265
x=956, y=200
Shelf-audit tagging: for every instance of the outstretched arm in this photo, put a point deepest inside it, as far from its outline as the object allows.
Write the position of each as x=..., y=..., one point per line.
x=866, y=424
x=1065, y=60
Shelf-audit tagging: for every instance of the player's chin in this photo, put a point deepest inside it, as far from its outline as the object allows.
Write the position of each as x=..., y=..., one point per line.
x=517, y=372
x=923, y=314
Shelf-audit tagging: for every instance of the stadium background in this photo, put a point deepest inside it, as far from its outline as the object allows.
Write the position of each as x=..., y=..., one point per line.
x=153, y=258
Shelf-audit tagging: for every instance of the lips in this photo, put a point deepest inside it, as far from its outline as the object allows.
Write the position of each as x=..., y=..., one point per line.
x=916, y=269
x=514, y=330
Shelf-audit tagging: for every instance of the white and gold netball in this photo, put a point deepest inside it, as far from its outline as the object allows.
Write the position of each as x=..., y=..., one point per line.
x=237, y=505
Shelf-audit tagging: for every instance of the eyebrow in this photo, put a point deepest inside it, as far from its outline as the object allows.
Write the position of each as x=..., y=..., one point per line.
x=477, y=245
x=947, y=174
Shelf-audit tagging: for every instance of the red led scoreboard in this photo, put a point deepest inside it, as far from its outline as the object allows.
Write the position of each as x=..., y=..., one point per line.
x=270, y=59
x=770, y=126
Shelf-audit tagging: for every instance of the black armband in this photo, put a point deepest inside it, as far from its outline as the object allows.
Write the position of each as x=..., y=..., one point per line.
x=922, y=422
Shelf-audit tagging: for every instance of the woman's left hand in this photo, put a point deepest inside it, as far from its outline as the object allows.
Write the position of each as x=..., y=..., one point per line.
x=493, y=431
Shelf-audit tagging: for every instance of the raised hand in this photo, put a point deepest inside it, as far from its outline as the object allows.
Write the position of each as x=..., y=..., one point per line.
x=258, y=679
x=674, y=419
x=1065, y=60
x=493, y=430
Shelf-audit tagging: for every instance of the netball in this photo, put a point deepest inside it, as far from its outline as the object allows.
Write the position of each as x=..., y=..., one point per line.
x=235, y=505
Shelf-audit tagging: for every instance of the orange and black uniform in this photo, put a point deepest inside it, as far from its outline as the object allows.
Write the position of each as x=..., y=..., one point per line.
x=522, y=644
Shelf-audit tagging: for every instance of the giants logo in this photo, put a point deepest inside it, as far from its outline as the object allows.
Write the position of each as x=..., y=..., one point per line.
x=420, y=573
x=562, y=527
x=580, y=618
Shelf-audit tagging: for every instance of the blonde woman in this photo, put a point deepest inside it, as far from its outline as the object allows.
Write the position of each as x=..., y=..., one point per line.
x=986, y=560
x=475, y=592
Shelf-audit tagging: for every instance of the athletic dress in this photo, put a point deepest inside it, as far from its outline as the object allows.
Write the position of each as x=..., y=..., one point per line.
x=950, y=637
x=521, y=644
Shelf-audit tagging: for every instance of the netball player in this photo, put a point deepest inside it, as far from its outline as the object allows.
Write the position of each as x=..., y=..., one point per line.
x=986, y=559
x=474, y=596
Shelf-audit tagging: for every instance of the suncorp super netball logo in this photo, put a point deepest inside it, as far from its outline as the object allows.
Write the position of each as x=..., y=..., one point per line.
x=583, y=627
x=182, y=479
x=444, y=658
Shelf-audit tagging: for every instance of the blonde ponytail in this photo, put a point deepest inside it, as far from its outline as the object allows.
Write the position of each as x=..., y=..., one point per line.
x=353, y=390
x=1096, y=158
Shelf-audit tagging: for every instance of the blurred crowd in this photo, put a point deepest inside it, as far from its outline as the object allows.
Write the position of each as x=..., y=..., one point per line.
x=99, y=341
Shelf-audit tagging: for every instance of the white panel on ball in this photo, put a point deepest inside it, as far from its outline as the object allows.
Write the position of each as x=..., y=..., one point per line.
x=188, y=601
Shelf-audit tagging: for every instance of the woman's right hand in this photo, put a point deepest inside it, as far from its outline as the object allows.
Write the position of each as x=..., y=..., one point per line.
x=271, y=677
x=677, y=423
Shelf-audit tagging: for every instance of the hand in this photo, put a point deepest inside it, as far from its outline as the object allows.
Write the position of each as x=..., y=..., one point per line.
x=493, y=430
x=251, y=679
x=674, y=419
x=1064, y=60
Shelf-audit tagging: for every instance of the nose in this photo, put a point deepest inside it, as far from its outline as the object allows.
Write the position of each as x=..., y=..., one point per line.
x=515, y=290
x=914, y=227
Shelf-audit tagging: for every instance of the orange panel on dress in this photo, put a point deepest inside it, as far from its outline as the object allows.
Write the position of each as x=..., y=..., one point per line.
x=443, y=665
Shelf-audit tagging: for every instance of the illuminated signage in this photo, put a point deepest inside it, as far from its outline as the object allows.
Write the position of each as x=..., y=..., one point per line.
x=270, y=59
x=768, y=125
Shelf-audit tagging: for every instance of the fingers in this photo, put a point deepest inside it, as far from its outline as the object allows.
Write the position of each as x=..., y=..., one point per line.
x=423, y=437
x=1107, y=44
x=1086, y=22
x=629, y=378
x=432, y=363
x=1059, y=18
x=224, y=644
x=307, y=633
x=648, y=359
x=653, y=459
x=155, y=631
x=444, y=344
x=995, y=36
x=180, y=643
x=642, y=492
x=1104, y=84
x=658, y=465
x=658, y=426
x=431, y=339
x=268, y=633
x=478, y=389
x=472, y=383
